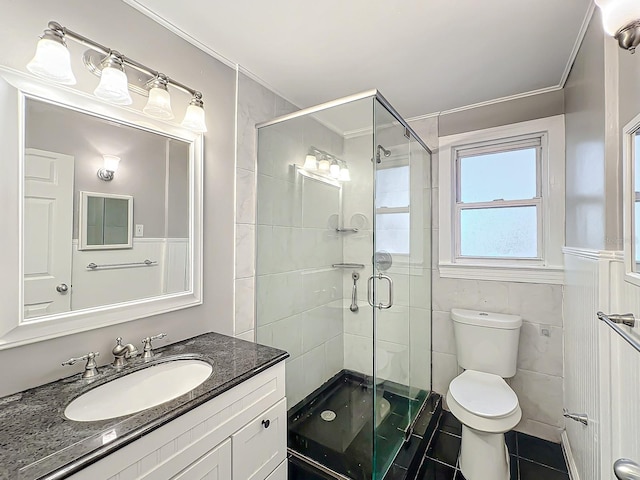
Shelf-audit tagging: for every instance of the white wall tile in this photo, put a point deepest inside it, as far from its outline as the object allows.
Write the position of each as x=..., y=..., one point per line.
x=443, y=337
x=245, y=251
x=294, y=372
x=315, y=368
x=445, y=369
x=540, y=430
x=245, y=305
x=249, y=336
x=536, y=303
x=245, y=196
x=334, y=353
x=287, y=335
x=540, y=397
x=538, y=353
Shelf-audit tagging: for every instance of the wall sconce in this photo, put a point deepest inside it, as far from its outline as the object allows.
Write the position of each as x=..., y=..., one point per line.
x=323, y=164
x=310, y=163
x=108, y=171
x=621, y=20
x=52, y=62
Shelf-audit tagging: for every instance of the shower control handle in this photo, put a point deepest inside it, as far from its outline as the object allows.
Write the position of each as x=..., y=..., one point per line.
x=372, y=278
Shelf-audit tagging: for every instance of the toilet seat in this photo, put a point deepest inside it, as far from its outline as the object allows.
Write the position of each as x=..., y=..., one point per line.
x=484, y=402
x=483, y=394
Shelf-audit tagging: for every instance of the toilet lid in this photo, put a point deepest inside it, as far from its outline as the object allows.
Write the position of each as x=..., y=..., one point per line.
x=483, y=394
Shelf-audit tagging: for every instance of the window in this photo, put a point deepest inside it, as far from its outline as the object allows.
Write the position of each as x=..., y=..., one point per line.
x=502, y=203
x=392, y=208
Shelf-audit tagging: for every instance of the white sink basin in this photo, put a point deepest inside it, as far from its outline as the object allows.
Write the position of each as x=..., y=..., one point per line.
x=138, y=391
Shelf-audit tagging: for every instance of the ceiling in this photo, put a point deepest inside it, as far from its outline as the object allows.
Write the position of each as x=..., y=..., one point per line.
x=425, y=56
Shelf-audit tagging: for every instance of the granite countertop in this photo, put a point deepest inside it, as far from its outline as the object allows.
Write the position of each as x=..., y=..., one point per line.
x=38, y=442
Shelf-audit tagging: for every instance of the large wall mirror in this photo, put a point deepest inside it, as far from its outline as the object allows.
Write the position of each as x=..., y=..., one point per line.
x=631, y=166
x=109, y=206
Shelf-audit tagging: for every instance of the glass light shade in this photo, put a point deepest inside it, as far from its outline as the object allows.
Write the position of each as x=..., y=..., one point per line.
x=53, y=62
x=345, y=176
x=334, y=170
x=323, y=165
x=310, y=162
x=159, y=104
x=113, y=87
x=194, y=119
x=618, y=13
x=111, y=162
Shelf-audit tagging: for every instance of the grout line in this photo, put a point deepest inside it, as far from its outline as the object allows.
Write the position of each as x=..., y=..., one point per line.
x=540, y=464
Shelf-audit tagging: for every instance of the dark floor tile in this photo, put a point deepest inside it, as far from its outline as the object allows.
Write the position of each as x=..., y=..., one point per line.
x=541, y=451
x=396, y=472
x=512, y=444
x=408, y=451
x=534, y=471
x=432, y=470
x=422, y=423
x=445, y=448
x=513, y=470
x=450, y=424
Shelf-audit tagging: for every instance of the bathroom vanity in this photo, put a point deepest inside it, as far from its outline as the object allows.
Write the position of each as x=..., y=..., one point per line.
x=232, y=426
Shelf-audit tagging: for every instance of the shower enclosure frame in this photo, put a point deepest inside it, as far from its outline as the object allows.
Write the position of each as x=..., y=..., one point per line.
x=373, y=94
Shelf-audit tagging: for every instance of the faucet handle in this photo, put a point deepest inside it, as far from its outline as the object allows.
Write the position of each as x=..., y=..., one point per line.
x=91, y=368
x=148, y=348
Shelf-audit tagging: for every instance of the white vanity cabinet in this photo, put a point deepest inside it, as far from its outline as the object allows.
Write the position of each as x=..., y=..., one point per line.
x=240, y=434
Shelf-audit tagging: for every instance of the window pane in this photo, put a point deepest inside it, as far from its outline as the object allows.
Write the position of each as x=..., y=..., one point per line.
x=392, y=232
x=499, y=232
x=505, y=175
x=392, y=187
x=636, y=214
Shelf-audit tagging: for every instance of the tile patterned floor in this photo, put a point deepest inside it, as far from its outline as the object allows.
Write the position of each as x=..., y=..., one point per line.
x=531, y=458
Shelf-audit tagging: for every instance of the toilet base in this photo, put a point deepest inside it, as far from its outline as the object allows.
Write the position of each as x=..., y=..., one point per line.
x=483, y=455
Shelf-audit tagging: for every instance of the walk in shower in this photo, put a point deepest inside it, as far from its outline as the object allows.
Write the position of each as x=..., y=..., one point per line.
x=343, y=277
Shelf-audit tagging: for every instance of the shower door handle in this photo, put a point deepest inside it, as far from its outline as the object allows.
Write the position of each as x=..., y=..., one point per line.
x=379, y=276
x=626, y=469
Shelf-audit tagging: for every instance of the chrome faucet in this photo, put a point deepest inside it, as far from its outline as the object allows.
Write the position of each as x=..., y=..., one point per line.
x=122, y=353
x=90, y=369
x=148, y=349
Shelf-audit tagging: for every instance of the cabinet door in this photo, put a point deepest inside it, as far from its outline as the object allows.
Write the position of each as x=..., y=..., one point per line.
x=279, y=473
x=214, y=465
x=261, y=446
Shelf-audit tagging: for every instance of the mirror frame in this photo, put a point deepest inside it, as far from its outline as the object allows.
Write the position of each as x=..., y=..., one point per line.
x=628, y=195
x=15, y=330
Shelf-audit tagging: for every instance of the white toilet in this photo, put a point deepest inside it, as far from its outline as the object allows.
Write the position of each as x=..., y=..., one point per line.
x=487, y=345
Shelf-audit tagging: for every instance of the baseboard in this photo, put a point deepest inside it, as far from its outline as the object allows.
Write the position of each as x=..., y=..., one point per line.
x=568, y=455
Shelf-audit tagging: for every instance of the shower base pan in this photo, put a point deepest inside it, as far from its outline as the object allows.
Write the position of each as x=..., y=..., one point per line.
x=334, y=426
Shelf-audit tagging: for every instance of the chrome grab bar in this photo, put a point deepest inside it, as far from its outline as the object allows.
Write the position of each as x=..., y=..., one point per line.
x=146, y=263
x=354, y=292
x=379, y=276
x=614, y=321
x=626, y=469
x=578, y=417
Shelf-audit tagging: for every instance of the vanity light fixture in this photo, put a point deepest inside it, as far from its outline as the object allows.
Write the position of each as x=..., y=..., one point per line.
x=344, y=176
x=310, y=163
x=108, y=171
x=113, y=85
x=334, y=169
x=159, y=103
x=52, y=61
x=323, y=164
x=621, y=20
x=194, y=118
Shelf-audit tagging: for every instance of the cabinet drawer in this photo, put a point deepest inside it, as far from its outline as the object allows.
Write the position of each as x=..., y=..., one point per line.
x=261, y=446
x=279, y=473
x=215, y=465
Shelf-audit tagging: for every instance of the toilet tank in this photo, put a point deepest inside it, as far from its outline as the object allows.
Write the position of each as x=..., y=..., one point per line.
x=487, y=342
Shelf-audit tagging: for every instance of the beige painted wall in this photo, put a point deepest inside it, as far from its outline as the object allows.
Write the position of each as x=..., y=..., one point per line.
x=115, y=24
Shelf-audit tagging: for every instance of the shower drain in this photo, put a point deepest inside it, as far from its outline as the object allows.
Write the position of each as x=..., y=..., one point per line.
x=328, y=415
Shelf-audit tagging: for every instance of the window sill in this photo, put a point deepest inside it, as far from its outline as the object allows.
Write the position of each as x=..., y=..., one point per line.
x=549, y=275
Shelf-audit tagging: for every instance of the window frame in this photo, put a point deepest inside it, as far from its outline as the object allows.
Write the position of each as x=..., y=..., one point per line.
x=547, y=267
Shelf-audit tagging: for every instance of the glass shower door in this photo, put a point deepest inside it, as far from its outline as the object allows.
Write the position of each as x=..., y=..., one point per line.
x=398, y=283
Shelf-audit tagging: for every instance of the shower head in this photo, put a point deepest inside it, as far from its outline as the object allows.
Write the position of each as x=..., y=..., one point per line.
x=387, y=153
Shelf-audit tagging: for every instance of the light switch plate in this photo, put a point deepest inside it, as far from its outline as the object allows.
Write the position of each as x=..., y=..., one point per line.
x=139, y=230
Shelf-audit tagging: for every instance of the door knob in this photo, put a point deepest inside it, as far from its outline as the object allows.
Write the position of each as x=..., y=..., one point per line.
x=62, y=288
x=626, y=469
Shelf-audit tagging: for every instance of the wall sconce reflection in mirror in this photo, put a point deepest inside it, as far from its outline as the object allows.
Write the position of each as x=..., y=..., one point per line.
x=326, y=165
x=108, y=171
x=621, y=20
x=118, y=76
